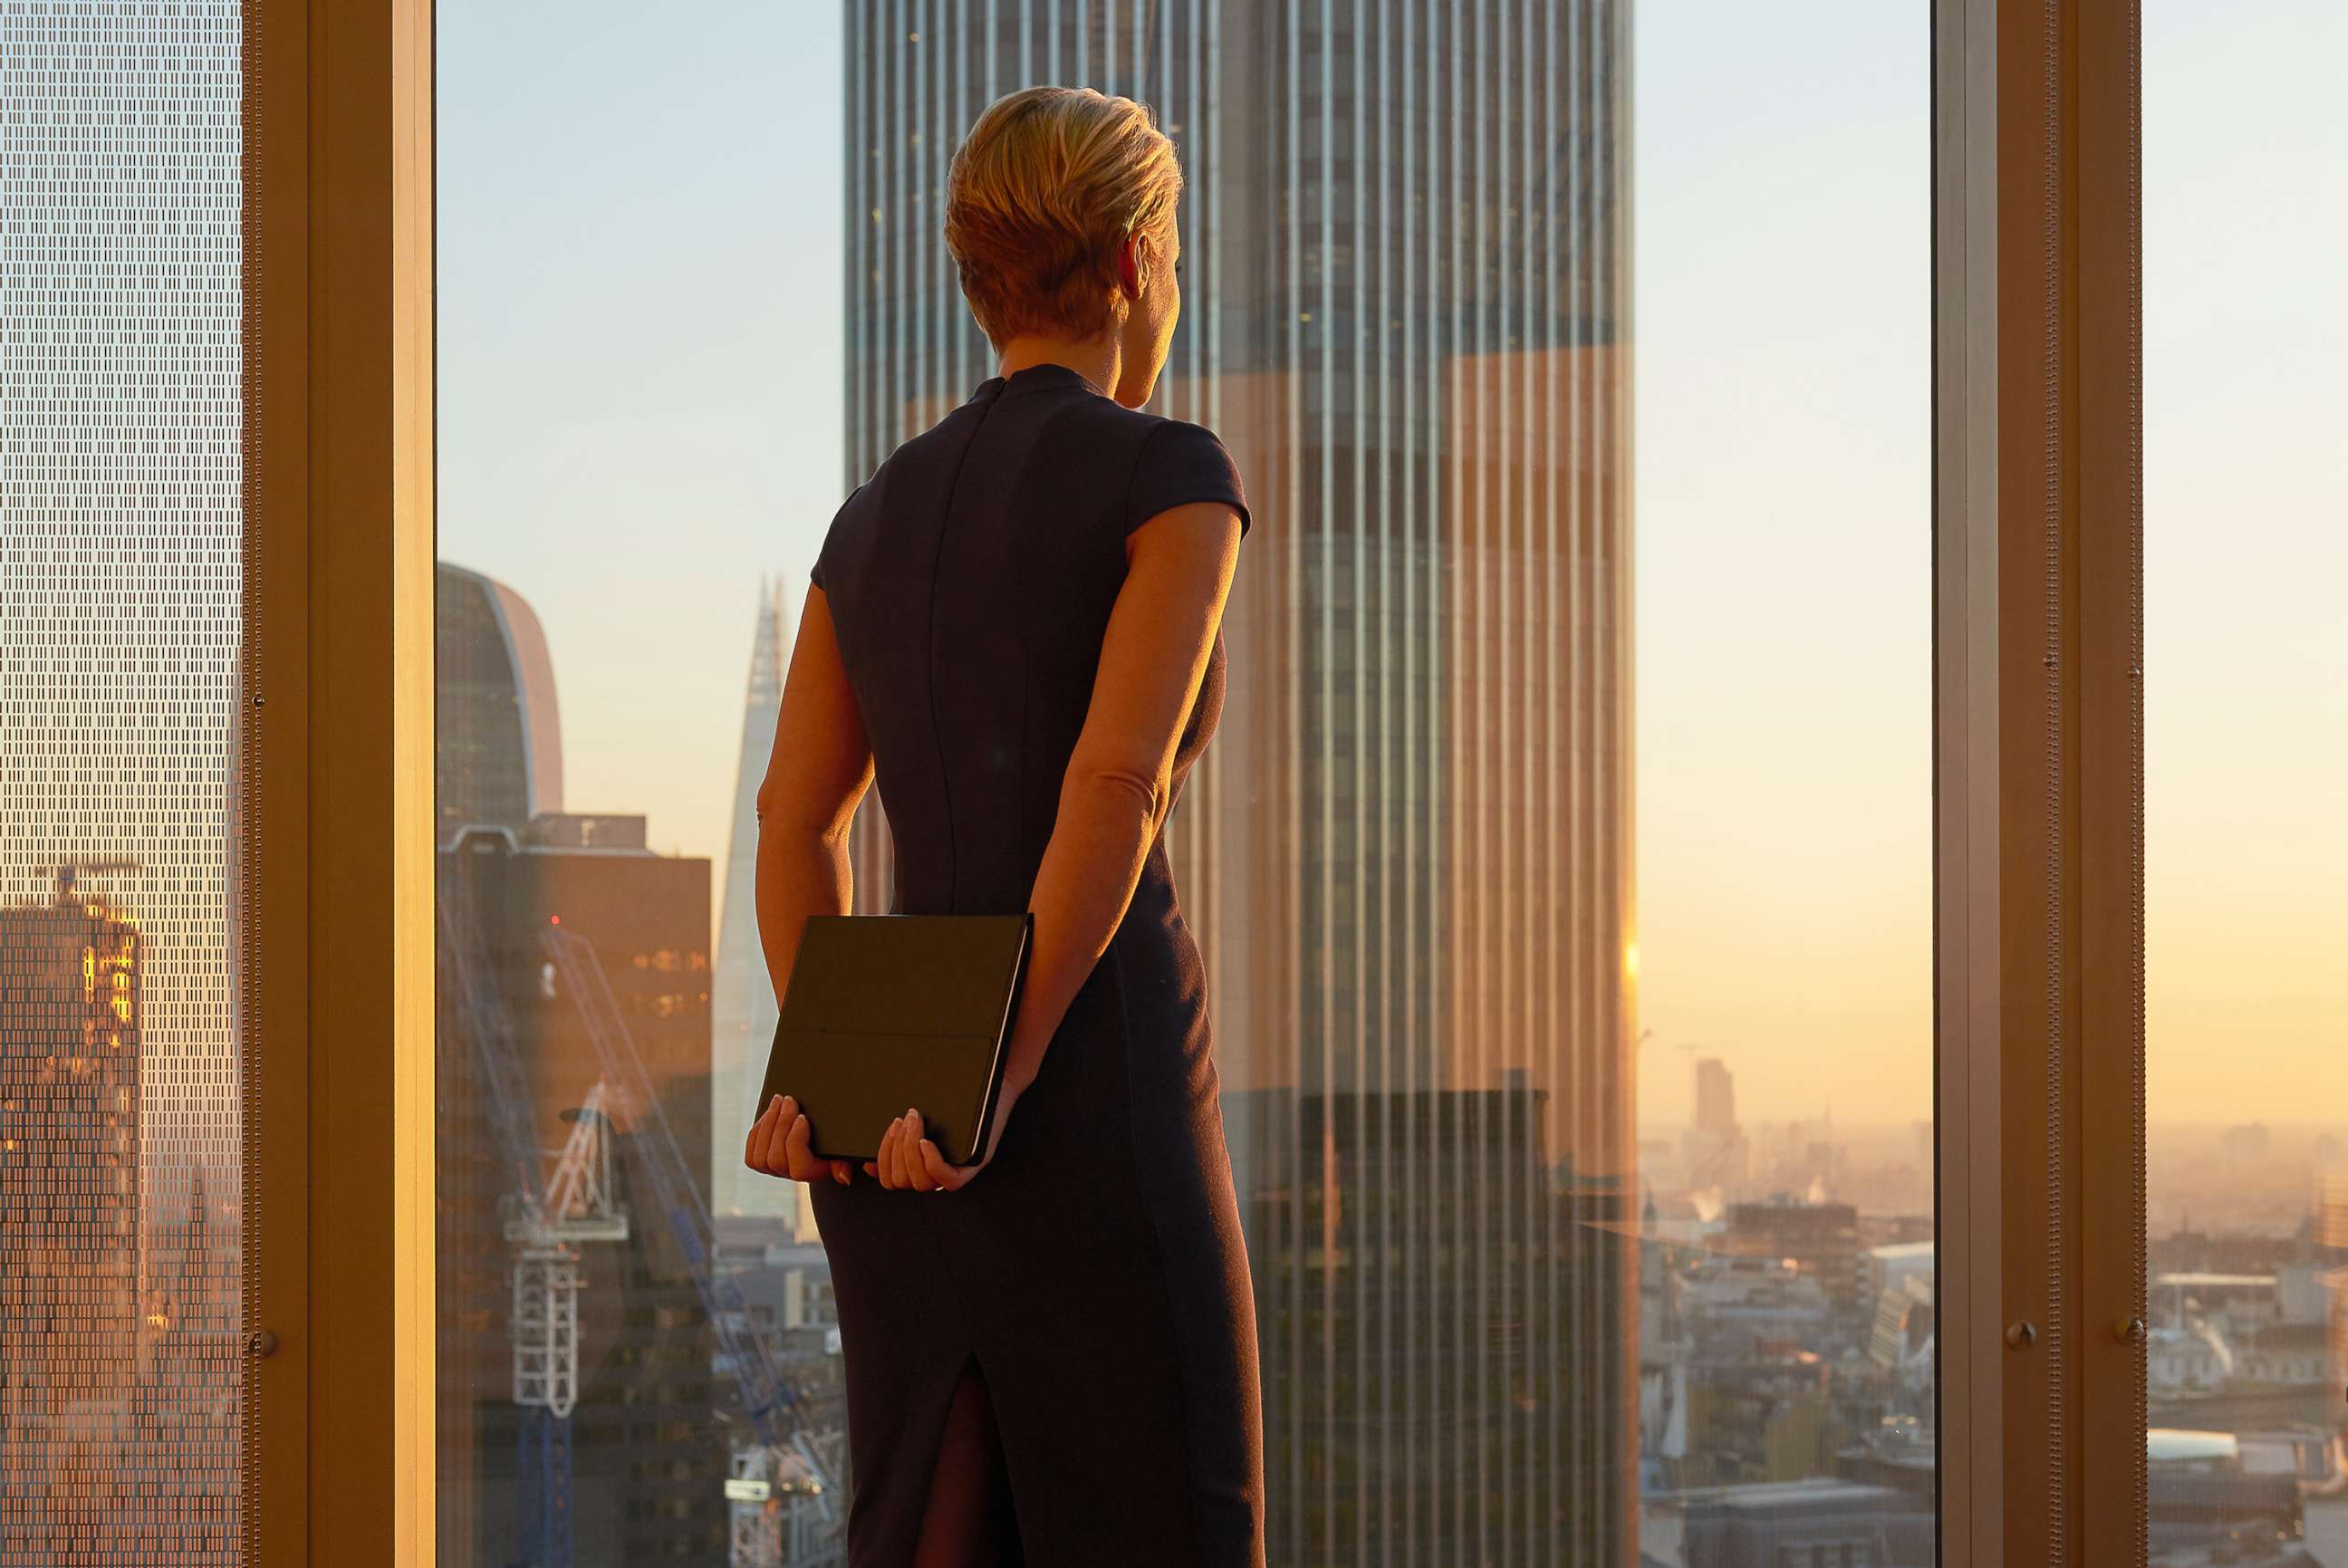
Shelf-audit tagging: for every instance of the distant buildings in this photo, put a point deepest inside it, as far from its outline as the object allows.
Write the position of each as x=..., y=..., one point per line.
x=2331, y=1234
x=72, y=1265
x=117, y=1434
x=2246, y=1145
x=1900, y=1291
x=1820, y=1239
x=2245, y=1333
x=1817, y=1523
x=1715, y=1151
x=2216, y=1499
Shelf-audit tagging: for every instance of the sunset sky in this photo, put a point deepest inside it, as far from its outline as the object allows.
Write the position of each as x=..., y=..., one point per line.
x=640, y=375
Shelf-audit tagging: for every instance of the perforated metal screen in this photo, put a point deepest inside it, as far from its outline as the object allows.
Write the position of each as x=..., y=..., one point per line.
x=121, y=1219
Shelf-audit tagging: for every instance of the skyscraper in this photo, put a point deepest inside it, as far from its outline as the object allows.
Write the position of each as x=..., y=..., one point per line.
x=1406, y=856
x=498, y=757
x=123, y=711
x=72, y=1262
x=742, y=1002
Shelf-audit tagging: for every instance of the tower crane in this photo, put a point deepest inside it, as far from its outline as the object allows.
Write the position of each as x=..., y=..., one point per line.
x=771, y=1397
x=548, y=1217
x=550, y=1214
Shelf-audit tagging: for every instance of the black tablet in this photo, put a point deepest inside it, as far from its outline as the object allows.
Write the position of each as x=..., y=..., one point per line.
x=887, y=1013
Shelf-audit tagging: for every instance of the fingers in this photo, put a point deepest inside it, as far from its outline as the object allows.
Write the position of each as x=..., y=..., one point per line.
x=754, y=1145
x=910, y=1169
x=940, y=1173
x=909, y=1164
x=782, y=1143
x=842, y=1171
x=899, y=1163
x=798, y=1152
x=766, y=1140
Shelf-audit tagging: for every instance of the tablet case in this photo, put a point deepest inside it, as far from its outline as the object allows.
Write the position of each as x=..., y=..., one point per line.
x=888, y=1012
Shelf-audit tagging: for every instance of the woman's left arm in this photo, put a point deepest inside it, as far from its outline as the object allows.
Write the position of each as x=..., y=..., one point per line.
x=820, y=767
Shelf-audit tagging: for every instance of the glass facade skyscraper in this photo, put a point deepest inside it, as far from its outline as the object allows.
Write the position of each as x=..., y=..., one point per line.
x=742, y=1003
x=1407, y=855
x=498, y=728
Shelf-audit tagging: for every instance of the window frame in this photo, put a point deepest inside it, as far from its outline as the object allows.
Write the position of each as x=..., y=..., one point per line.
x=337, y=748
x=2039, y=778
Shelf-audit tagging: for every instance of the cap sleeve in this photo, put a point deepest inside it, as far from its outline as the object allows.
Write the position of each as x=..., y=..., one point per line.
x=1181, y=463
x=820, y=573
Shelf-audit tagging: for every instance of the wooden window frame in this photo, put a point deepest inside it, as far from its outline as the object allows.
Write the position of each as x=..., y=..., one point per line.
x=338, y=1015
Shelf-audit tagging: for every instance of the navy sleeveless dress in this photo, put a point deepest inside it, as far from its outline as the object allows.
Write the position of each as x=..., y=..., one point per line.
x=1094, y=1271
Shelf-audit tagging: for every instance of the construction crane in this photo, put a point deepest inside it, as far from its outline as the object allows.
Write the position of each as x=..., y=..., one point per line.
x=547, y=1217
x=770, y=1399
x=550, y=1215
x=578, y=1208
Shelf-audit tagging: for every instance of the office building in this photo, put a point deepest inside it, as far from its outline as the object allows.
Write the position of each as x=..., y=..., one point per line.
x=1406, y=856
x=1819, y=1523
x=644, y=1438
x=1715, y=1150
x=117, y=1271
x=498, y=730
x=1715, y=1097
x=71, y=1255
x=1420, y=1380
x=1820, y=1239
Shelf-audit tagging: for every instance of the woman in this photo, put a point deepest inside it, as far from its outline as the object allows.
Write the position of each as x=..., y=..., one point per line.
x=1015, y=622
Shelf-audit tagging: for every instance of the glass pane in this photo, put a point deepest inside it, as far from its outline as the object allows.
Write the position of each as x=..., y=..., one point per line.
x=121, y=1168
x=1784, y=473
x=1552, y=1261
x=2246, y=814
x=639, y=442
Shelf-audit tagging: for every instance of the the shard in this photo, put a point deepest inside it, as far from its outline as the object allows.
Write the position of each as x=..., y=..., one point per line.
x=742, y=1009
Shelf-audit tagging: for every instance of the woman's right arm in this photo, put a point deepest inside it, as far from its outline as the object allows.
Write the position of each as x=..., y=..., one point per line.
x=1119, y=782
x=1118, y=786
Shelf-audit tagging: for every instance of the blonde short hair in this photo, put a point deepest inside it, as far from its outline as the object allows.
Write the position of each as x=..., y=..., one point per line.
x=1040, y=199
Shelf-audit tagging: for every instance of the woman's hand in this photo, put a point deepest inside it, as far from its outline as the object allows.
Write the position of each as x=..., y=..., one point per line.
x=780, y=1146
x=911, y=1162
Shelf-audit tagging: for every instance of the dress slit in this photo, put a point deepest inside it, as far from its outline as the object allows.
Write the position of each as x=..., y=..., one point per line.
x=980, y=1529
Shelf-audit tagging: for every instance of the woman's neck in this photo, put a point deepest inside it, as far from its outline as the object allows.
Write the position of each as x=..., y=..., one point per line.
x=1098, y=360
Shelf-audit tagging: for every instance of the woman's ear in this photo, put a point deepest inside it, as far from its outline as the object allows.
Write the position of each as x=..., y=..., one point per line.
x=1128, y=266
